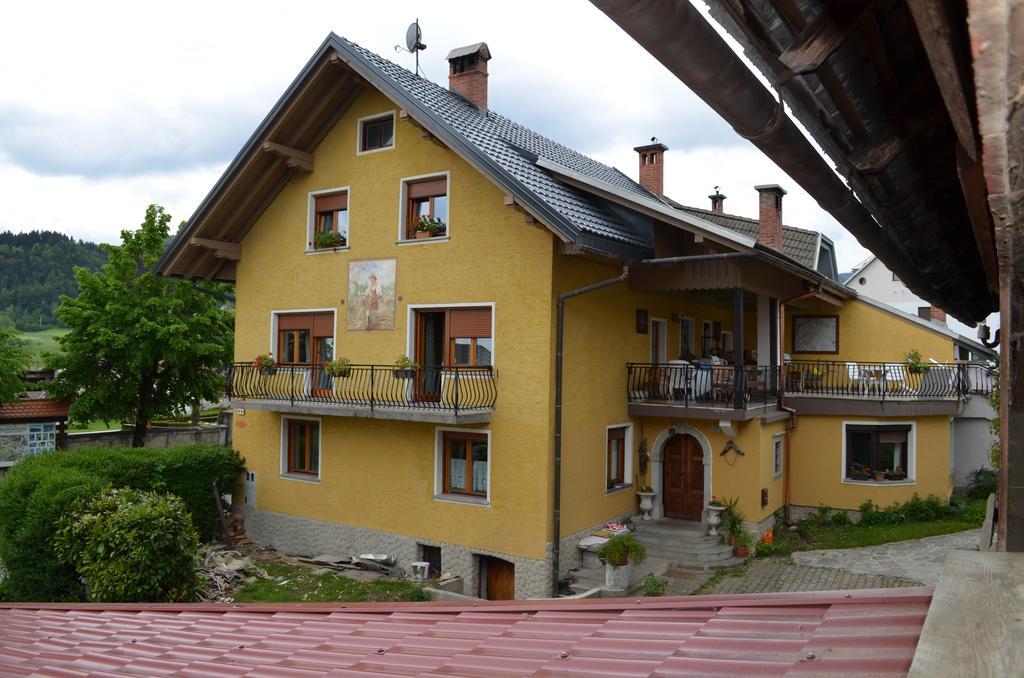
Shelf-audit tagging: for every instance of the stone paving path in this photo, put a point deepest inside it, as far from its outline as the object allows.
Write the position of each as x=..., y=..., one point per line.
x=915, y=559
x=765, y=575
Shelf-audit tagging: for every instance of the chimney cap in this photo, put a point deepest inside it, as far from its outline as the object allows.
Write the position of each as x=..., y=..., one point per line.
x=479, y=48
x=770, y=187
x=658, y=146
x=718, y=195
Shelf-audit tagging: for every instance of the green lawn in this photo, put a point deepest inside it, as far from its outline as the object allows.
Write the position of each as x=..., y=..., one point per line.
x=43, y=341
x=95, y=426
x=297, y=584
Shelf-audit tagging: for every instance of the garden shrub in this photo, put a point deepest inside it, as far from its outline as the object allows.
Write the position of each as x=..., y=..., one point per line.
x=40, y=489
x=131, y=546
x=31, y=505
x=654, y=587
x=982, y=483
x=841, y=519
x=916, y=510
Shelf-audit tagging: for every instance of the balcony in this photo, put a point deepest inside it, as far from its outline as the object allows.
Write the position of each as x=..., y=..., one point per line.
x=726, y=392
x=442, y=395
x=680, y=389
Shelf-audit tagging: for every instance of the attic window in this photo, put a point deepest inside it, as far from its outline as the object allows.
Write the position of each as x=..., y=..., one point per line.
x=377, y=133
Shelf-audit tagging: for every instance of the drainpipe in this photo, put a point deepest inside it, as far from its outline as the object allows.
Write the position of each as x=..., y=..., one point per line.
x=791, y=425
x=556, y=516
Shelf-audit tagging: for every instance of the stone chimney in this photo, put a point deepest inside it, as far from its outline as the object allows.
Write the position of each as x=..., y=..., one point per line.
x=467, y=72
x=717, y=201
x=769, y=217
x=652, y=166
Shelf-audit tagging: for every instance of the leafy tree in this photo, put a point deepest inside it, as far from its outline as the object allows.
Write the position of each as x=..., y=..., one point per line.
x=141, y=345
x=14, y=360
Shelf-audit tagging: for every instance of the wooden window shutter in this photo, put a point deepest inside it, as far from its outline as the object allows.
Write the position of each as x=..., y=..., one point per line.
x=294, y=321
x=469, y=322
x=428, y=188
x=331, y=203
x=323, y=325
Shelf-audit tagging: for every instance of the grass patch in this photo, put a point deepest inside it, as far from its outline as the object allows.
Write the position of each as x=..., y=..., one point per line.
x=43, y=341
x=96, y=425
x=717, y=577
x=298, y=584
x=824, y=531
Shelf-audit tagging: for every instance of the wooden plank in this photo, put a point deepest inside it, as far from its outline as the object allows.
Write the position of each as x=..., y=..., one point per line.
x=937, y=35
x=820, y=39
x=294, y=158
x=974, y=626
x=972, y=183
x=876, y=154
x=220, y=248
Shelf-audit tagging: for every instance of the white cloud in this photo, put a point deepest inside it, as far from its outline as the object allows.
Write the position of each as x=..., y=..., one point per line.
x=115, y=106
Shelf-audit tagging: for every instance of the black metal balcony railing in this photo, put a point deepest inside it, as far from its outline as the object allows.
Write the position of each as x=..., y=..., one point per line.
x=444, y=388
x=882, y=381
x=689, y=385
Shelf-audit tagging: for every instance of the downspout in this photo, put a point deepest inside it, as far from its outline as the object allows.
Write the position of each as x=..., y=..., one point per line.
x=791, y=424
x=556, y=516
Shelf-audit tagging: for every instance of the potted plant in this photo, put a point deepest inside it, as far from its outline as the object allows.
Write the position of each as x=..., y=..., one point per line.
x=341, y=367
x=715, y=509
x=325, y=240
x=896, y=474
x=619, y=554
x=880, y=476
x=860, y=473
x=265, y=364
x=405, y=367
x=646, y=494
x=743, y=543
x=732, y=520
x=915, y=363
x=427, y=227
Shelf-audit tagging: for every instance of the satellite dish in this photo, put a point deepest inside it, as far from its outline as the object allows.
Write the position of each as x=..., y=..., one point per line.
x=413, y=36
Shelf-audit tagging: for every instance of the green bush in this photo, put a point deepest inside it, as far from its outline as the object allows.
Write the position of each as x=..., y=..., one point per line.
x=31, y=505
x=841, y=519
x=915, y=510
x=41, y=488
x=983, y=482
x=131, y=546
x=622, y=549
x=654, y=587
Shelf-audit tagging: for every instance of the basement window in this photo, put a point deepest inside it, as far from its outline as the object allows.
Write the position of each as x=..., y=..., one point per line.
x=377, y=133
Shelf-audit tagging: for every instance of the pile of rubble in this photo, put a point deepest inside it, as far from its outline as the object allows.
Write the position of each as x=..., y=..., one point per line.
x=225, y=571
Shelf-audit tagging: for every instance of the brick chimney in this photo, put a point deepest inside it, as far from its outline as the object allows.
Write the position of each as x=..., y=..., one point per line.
x=717, y=201
x=652, y=166
x=467, y=72
x=769, y=217
x=937, y=315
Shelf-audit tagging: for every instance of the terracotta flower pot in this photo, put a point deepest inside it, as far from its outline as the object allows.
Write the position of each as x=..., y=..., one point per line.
x=879, y=477
x=422, y=235
x=742, y=551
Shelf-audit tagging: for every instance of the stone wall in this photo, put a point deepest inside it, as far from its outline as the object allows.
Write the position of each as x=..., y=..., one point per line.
x=156, y=437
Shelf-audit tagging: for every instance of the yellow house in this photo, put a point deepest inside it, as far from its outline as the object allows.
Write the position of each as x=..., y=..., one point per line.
x=567, y=336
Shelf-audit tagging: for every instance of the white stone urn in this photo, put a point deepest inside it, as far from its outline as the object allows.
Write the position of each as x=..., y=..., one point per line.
x=646, y=504
x=714, y=519
x=617, y=577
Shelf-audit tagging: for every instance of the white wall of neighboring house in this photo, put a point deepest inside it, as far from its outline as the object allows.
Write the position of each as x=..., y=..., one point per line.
x=878, y=284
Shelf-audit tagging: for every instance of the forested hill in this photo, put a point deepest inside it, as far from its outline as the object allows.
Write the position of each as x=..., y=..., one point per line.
x=35, y=269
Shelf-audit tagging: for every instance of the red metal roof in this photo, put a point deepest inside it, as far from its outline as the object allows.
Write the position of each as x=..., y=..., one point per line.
x=833, y=632
x=35, y=408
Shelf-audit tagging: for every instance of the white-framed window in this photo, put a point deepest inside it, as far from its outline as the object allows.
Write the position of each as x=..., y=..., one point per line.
x=879, y=452
x=462, y=465
x=375, y=133
x=618, y=457
x=301, y=448
x=777, y=454
x=424, y=208
x=687, y=338
x=327, y=220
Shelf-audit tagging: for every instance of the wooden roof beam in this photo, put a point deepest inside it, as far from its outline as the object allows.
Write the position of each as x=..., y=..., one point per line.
x=821, y=38
x=937, y=36
x=221, y=249
x=293, y=158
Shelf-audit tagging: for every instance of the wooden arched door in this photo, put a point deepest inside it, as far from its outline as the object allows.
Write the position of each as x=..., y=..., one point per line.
x=683, y=481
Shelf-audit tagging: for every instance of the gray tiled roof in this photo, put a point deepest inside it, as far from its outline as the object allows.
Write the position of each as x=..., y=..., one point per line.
x=798, y=244
x=510, y=145
x=514, y=148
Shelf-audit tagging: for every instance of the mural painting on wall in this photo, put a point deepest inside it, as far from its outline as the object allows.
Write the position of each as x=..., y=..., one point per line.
x=371, y=295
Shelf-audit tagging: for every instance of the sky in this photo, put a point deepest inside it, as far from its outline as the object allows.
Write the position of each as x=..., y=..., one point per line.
x=106, y=107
